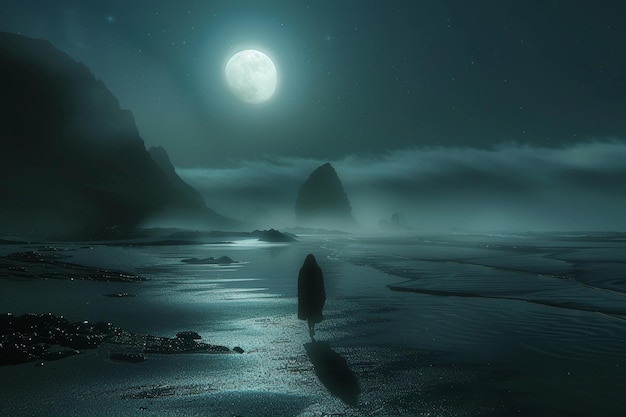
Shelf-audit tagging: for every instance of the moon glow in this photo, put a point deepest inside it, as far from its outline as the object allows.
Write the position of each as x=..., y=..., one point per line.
x=251, y=76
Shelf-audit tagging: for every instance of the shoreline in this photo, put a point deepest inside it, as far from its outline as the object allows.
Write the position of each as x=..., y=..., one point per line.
x=410, y=353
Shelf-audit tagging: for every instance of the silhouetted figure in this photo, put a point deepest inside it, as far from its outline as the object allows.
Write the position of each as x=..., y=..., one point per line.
x=311, y=293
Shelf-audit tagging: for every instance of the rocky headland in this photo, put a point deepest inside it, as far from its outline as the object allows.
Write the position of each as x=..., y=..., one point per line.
x=72, y=161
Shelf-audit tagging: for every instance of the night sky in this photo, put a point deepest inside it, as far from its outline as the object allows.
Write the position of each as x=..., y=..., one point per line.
x=457, y=113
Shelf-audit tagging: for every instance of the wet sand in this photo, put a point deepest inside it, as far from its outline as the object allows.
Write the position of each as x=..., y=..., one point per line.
x=378, y=352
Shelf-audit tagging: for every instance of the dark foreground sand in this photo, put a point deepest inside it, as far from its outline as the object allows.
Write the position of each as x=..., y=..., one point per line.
x=378, y=352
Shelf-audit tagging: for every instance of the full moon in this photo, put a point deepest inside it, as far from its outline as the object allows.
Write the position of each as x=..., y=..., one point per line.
x=251, y=76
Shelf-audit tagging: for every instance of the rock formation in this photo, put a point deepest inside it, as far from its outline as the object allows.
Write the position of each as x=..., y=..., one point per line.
x=322, y=201
x=72, y=160
x=222, y=260
x=46, y=337
x=50, y=265
x=396, y=222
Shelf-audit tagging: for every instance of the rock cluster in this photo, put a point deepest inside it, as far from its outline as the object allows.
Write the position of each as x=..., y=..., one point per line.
x=395, y=222
x=222, y=260
x=272, y=236
x=48, y=265
x=188, y=335
x=186, y=342
x=46, y=337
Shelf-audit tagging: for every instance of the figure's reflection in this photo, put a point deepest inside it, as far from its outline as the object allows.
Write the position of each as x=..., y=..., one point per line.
x=333, y=372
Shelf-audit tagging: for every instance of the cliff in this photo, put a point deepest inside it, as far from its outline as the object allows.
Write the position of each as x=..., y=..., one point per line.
x=70, y=158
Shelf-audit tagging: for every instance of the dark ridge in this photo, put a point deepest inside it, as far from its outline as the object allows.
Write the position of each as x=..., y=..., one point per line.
x=71, y=160
x=161, y=158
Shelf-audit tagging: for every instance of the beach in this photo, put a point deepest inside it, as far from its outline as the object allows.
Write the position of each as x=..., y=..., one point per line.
x=460, y=325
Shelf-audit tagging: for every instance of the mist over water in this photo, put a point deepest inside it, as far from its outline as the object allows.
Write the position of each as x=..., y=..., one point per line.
x=514, y=187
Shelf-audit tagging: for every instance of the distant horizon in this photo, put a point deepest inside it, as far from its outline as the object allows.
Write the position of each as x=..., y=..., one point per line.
x=512, y=187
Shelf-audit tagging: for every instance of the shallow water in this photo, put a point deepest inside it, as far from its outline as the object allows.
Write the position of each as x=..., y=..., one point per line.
x=548, y=308
x=485, y=326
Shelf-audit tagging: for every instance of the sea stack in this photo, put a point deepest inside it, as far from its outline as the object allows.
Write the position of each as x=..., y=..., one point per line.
x=322, y=201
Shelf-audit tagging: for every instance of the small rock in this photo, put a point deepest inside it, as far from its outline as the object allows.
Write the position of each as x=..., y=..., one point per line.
x=103, y=327
x=238, y=349
x=225, y=260
x=54, y=356
x=188, y=335
x=132, y=357
x=119, y=295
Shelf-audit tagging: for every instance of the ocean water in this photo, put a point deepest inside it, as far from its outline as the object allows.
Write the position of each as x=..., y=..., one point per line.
x=548, y=310
x=455, y=325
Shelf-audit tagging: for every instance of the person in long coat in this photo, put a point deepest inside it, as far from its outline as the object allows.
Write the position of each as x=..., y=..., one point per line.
x=311, y=293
